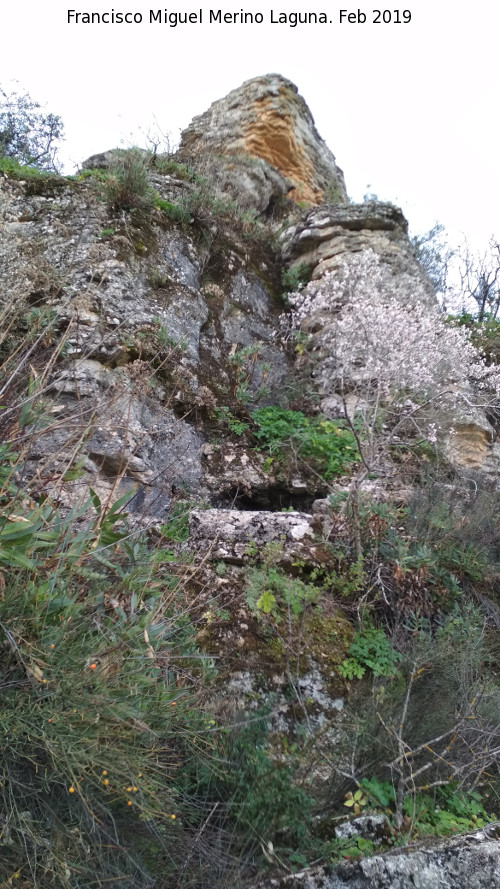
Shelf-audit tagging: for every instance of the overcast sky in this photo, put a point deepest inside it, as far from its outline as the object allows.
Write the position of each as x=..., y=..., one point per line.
x=410, y=110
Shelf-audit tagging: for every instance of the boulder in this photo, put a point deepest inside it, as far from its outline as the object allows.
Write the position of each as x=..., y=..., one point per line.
x=238, y=536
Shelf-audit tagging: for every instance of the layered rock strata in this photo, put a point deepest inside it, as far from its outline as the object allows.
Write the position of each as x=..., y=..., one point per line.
x=267, y=120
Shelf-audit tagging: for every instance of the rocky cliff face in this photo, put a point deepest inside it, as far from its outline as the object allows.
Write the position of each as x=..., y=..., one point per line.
x=140, y=335
x=327, y=234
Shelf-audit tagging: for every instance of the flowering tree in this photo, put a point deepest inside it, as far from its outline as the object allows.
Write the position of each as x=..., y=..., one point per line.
x=387, y=362
x=377, y=343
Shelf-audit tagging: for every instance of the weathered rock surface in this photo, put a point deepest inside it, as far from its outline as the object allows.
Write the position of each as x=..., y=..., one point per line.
x=327, y=234
x=466, y=862
x=125, y=293
x=266, y=119
x=237, y=536
x=144, y=339
x=370, y=827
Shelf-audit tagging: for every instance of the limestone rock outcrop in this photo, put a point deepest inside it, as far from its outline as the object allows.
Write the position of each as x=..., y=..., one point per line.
x=235, y=535
x=122, y=292
x=265, y=135
x=327, y=234
x=471, y=861
x=147, y=342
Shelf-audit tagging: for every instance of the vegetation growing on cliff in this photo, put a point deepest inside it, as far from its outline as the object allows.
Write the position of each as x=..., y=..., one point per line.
x=172, y=718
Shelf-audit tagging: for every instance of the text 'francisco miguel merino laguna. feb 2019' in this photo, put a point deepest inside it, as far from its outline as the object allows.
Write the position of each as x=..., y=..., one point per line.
x=220, y=17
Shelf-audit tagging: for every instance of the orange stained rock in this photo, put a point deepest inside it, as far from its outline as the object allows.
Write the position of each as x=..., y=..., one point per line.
x=271, y=136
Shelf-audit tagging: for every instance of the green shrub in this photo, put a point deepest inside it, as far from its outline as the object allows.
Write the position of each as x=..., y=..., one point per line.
x=157, y=279
x=485, y=334
x=126, y=185
x=295, y=278
x=167, y=166
x=324, y=444
x=236, y=426
x=110, y=760
x=447, y=536
x=13, y=167
x=446, y=811
x=258, y=792
x=176, y=528
x=88, y=615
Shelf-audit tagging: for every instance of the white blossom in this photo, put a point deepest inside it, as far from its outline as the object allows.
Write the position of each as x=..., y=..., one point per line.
x=371, y=328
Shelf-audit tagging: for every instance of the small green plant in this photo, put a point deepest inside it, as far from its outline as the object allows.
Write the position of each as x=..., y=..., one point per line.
x=175, y=212
x=221, y=569
x=94, y=174
x=350, y=580
x=351, y=848
x=451, y=811
x=370, y=649
x=325, y=444
x=38, y=319
x=296, y=277
x=269, y=590
x=381, y=793
x=266, y=602
x=225, y=416
x=157, y=279
x=246, y=364
x=167, y=166
x=356, y=800
x=176, y=528
x=106, y=233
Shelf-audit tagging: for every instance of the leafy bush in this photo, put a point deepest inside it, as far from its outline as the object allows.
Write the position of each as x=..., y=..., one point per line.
x=86, y=712
x=485, y=334
x=259, y=792
x=167, y=166
x=448, y=537
x=86, y=708
x=110, y=761
x=18, y=170
x=90, y=616
x=325, y=444
x=446, y=811
x=370, y=649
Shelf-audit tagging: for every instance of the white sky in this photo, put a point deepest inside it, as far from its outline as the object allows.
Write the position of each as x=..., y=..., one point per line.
x=410, y=110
